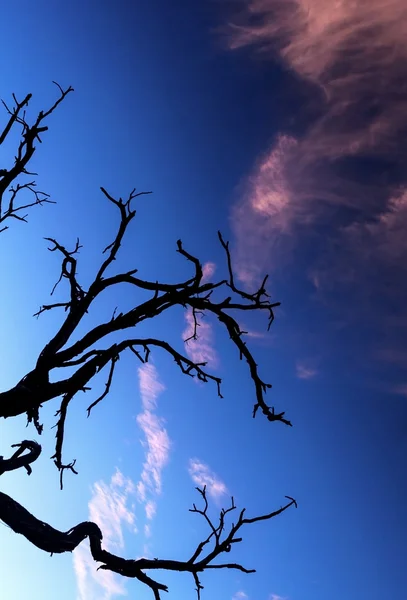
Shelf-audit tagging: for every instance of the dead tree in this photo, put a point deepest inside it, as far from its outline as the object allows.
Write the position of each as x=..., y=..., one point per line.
x=92, y=353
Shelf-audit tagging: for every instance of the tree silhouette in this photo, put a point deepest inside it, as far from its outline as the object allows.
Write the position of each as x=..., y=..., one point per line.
x=92, y=353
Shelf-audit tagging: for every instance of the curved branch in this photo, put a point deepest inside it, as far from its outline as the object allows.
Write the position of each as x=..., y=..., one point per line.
x=236, y=336
x=36, y=388
x=19, y=459
x=47, y=538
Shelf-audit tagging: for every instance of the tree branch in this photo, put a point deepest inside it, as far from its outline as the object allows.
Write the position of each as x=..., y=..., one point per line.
x=19, y=459
x=25, y=150
x=47, y=538
x=36, y=388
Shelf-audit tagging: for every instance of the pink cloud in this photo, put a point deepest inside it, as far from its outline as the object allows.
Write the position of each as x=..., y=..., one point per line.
x=400, y=390
x=383, y=238
x=208, y=270
x=255, y=335
x=202, y=475
x=110, y=508
x=156, y=443
x=374, y=250
x=313, y=38
x=202, y=349
x=355, y=55
x=305, y=371
x=266, y=205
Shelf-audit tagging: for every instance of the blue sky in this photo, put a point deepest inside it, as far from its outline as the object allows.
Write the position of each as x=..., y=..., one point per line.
x=285, y=130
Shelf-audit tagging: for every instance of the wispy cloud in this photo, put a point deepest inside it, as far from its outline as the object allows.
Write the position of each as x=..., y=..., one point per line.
x=208, y=270
x=203, y=475
x=240, y=595
x=111, y=508
x=202, y=349
x=150, y=386
x=157, y=443
x=305, y=370
x=355, y=53
x=151, y=509
x=277, y=597
x=339, y=186
x=400, y=390
x=147, y=531
x=267, y=204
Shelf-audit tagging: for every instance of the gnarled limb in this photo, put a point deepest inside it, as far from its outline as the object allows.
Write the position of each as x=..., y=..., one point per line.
x=47, y=538
x=21, y=459
x=200, y=297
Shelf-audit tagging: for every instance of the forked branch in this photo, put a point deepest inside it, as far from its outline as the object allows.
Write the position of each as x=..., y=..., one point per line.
x=30, y=134
x=220, y=540
x=87, y=355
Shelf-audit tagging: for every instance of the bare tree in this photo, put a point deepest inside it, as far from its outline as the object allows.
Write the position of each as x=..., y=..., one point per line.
x=92, y=353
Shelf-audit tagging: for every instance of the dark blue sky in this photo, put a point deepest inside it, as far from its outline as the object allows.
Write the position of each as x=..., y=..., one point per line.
x=303, y=172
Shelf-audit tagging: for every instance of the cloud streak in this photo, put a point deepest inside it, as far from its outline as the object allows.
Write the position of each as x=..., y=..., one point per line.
x=202, y=475
x=111, y=508
x=156, y=443
x=208, y=271
x=354, y=53
x=339, y=186
x=240, y=595
x=305, y=371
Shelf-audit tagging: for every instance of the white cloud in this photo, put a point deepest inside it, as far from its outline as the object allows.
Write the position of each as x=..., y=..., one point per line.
x=109, y=508
x=151, y=509
x=147, y=531
x=240, y=595
x=277, y=597
x=203, y=475
x=157, y=442
x=150, y=386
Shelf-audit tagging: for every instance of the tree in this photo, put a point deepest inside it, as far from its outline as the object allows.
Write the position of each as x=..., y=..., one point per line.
x=92, y=353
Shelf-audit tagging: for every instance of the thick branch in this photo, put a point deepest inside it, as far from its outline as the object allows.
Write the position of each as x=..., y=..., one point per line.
x=35, y=388
x=19, y=459
x=49, y=539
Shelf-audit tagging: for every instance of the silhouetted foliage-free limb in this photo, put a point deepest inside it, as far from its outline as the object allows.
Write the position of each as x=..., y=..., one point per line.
x=219, y=541
x=30, y=134
x=20, y=458
x=90, y=356
x=93, y=351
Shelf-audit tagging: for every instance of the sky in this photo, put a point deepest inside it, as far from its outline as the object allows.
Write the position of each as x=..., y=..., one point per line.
x=283, y=124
